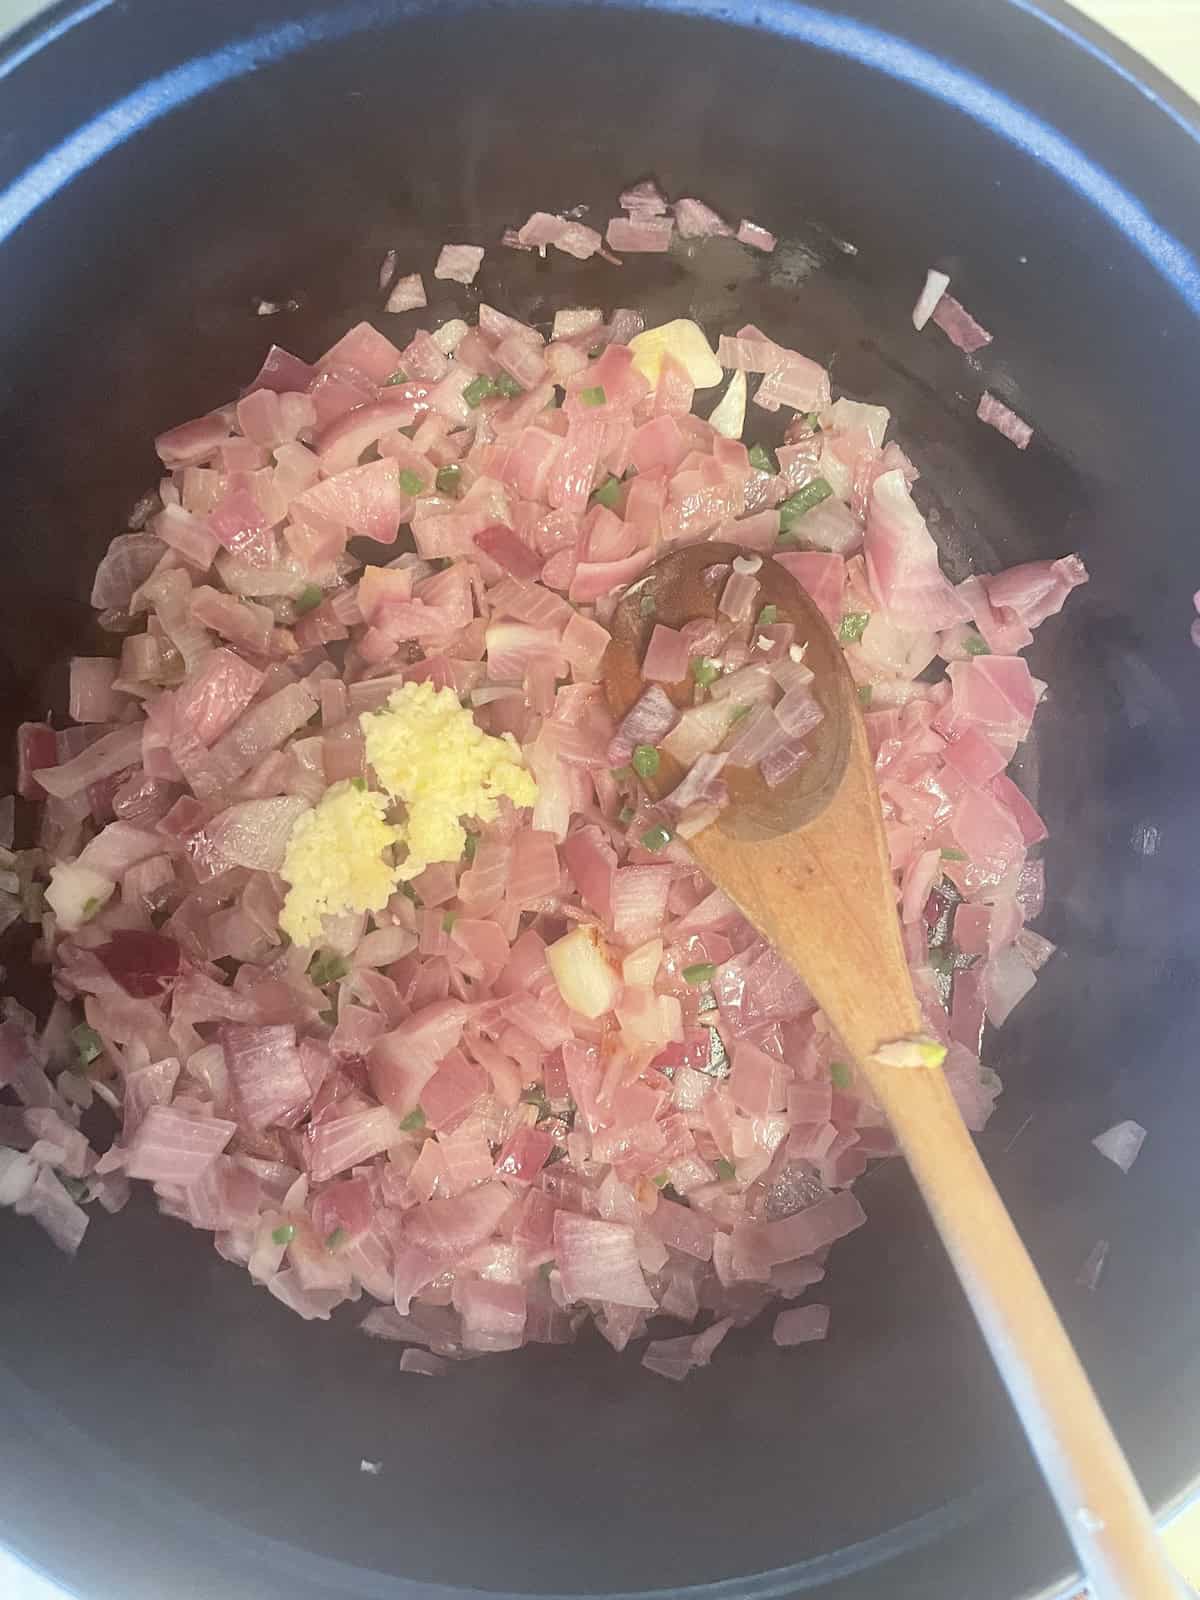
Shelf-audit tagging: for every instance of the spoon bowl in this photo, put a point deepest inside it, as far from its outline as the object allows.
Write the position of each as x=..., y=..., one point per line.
x=687, y=584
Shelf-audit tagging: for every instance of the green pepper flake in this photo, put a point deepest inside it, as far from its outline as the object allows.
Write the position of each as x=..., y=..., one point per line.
x=508, y=386
x=661, y=1180
x=762, y=460
x=413, y=1122
x=767, y=617
x=705, y=671
x=657, y=838
x=864, y=695
x=309, y=598
x=596, y=350
x=954, y=855
x=841, y=1074
x=942, y=962
x=724, y=1168
x=91, y=905
x=411, y=482
x=448, y=479
x=626, y=815
x=448, y=921
x=608, y=493
x=852, y=626
x=701, y=972
x=471, y=846
x=813, y=418
x=975, y=646
x=478, y=390
x=799, y=504
x=87, y=1042
x=285, y=1234
x=326, y=967
x=645, y=760
x=595, y=396
x=336, y=1239
x=360, y=784
x=399, y=376
x=647, y=606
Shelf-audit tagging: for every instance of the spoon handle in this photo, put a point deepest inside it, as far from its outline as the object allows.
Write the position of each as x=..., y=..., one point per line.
x=1098, y=1498
x=823, y=896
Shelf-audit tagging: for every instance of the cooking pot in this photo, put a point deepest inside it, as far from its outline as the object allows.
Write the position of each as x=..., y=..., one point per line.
x=164, y=169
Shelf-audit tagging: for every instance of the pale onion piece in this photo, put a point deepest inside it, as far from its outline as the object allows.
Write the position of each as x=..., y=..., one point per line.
x=936, y=284
x=17, y=1176
x=683, y=341
x=640, y=966
x=76, y=893
x=728, y=416
x=1121, y=1143
x=450, y=335
x=920, y=1052
x=586, y=981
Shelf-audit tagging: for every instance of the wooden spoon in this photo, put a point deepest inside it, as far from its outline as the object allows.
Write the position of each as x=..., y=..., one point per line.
x=807, y=864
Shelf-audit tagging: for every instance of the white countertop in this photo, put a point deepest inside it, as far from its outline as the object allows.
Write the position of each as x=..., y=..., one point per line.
x=1167, y=32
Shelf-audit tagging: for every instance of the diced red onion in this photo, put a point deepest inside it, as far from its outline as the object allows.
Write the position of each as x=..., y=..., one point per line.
x=1121, y=1143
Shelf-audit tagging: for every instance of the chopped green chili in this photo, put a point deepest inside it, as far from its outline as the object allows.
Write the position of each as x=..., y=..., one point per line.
x=975, y=646
x=413, y=1122
x=336, y=1239
x=326, y=967
x=767, y=617
x=645, y=760
x=399, y=376
x=705, y=671
x=657, y=838
x=478, y=390
x=309, y=598
x=841, y=1075
x=608, y=493
x=626, y=815
x=852, y=626
x=799, y=504
x=725, y=1169
x=87, y=1042
x=762, y=460
x=864, y=695
x=448, y=479
x=647, y=605
x=471, y=846
x=954, y=855
x=411, y=482
x=284, y=1234
x=508, y=386
x=700, y=972
x=595, y=396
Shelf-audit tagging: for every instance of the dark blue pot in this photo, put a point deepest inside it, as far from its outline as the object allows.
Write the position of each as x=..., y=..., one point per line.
x=169, y=1431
